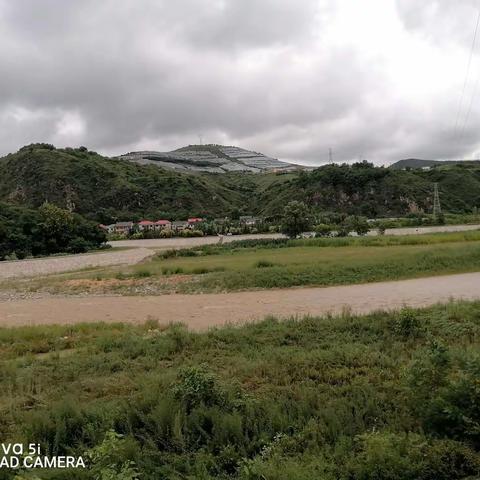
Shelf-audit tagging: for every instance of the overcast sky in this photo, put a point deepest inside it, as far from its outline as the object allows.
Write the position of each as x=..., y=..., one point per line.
x=373, y=79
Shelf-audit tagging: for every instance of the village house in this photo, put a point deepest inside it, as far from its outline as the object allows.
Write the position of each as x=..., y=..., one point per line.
x=249, y=220
x=120, y=228
x=179, y=225
x=192, y=222
x=146, y=225
x=163, y=224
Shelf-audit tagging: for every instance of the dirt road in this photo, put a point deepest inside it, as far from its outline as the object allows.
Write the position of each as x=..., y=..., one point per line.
x=425, y=230
x=202, y=311
x=47, y=266
x=178, y=242
x=197, y=241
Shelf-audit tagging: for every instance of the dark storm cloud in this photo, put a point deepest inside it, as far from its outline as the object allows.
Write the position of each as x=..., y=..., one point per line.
x=288, y=78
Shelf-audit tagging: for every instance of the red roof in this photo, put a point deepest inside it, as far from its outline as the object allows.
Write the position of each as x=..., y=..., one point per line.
x=146, y=222
x=163, y=222
x=195, y=220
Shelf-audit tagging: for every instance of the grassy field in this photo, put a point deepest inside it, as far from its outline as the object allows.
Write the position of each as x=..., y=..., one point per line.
x=295, y=266
x=386, y=396
x=280, y=263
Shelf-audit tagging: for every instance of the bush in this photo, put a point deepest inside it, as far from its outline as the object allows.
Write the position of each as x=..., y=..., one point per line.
x=264, y=264
x=391, y=456
x=323, y=230
x=406, y=324
x=198, y=386
x=445, y=395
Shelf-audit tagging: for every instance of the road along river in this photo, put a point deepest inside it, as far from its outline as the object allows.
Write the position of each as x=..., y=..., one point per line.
x=200, y=312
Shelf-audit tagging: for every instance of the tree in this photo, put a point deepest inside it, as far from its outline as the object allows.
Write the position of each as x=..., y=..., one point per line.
x=323, y=230
x=381, y=227
x=356, y=224
x=296, y=219
x=57, y=226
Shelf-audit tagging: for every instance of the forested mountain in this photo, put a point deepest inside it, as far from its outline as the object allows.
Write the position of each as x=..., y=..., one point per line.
x=106, y=190
x=377, y=191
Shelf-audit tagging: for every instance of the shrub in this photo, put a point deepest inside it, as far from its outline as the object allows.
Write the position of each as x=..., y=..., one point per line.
x=323, y=230
x=198, y=386
x=391, y=456
x=264, y=264
x=445, y=395
x=143, y=274
x=406, y=324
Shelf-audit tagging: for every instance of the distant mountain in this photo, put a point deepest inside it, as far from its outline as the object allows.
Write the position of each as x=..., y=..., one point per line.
x=419, y=163
x=107, y=190
x=211, y=158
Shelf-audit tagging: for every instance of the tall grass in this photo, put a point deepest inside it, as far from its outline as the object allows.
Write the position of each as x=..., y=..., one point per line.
x=336, y=397
x=377, y=241
x=356, y=267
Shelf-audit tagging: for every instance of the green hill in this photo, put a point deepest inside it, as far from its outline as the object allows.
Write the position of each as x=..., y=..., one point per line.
x=376, y=191
x=419, y=163
x=107, y=190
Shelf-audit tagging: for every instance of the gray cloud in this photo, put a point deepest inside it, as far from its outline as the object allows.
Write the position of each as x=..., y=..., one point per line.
x=287, y=78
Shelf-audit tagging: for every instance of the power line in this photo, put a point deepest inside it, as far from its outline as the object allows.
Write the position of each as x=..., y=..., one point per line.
x=460, y=104
x=472, y=99
x=474, y=95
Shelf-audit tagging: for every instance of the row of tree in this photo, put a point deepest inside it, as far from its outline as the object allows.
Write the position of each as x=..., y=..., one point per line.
x=45, y=231
x=298, y=218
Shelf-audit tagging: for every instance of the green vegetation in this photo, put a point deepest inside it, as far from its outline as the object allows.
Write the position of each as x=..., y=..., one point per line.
x=321, y=265
x=361, y=189
x=108, y=190
x=386, y=396
x=276, y=263
x=296, y=219
x=105, y=189
x=45, y=231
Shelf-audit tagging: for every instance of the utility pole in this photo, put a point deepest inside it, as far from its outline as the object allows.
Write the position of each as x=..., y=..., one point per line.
x=330, y=155
x=437, y=209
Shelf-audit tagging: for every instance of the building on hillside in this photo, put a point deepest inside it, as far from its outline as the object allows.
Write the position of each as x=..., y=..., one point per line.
x=121, y=228
x=249, y=220
x=192, y=222
x=146, y=225
x=179, y=225
x=163, y=224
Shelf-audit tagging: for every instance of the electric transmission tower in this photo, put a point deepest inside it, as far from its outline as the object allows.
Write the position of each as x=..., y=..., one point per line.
x=437, y=209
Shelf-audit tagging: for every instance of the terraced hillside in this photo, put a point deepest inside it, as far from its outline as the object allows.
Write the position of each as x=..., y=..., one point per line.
x=210, y=158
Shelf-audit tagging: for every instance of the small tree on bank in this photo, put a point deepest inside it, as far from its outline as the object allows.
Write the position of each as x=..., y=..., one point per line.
x=296, y=219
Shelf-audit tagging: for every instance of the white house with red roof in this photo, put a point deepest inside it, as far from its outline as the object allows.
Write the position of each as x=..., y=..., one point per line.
x=194, y=221
x=161, y=224
x=145, y=225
